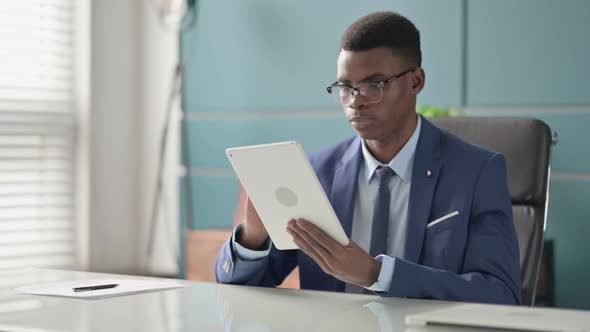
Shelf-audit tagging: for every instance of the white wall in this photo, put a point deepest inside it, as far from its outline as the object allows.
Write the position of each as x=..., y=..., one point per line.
x=158, y=58
x=131, y=64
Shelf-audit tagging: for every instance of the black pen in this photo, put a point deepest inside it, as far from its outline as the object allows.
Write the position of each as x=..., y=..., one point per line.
x=95, y=287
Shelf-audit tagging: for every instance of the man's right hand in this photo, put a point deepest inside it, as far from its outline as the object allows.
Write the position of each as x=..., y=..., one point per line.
x=253, y=232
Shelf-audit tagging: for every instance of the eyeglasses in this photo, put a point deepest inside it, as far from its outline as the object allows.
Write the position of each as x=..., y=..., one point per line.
x=371, y=91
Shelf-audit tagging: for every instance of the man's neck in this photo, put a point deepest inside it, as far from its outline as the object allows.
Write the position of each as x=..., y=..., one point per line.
x=386, y=150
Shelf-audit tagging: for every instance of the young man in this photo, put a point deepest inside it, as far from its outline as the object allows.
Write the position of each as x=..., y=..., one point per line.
x=429, y=216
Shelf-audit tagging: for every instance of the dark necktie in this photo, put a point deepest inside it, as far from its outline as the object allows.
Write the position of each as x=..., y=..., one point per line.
x=380, y=228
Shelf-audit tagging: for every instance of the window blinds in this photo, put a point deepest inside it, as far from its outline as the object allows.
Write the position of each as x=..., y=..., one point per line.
x=37, y=134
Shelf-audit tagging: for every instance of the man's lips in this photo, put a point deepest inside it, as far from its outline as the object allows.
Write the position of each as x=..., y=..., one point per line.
x=360, y=122
x=360, y=118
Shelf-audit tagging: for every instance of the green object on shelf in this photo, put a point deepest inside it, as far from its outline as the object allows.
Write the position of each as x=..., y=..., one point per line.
x=430, y=111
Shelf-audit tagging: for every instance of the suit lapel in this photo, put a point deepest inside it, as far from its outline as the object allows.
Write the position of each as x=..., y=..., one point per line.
x=425, y=172
x=344, y=185
x=344, y=188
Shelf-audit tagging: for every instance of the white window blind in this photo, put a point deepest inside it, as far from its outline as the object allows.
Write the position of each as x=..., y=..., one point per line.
x=37, y=134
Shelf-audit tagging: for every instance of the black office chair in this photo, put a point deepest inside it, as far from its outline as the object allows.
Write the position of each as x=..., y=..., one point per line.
x=526, y=144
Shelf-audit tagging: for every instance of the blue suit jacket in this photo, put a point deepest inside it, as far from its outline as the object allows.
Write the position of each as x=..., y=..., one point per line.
x=472, y=256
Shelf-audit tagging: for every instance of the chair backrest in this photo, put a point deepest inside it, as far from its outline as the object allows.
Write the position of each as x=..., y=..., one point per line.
x=526, y=144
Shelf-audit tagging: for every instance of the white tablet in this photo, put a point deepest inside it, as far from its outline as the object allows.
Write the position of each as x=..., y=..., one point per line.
x=282, y=186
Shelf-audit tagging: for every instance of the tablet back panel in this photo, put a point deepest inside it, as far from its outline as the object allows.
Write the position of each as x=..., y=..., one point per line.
x=282, y=186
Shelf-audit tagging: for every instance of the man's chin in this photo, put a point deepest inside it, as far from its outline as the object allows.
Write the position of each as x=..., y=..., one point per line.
x=364, y=131
x=367, y=135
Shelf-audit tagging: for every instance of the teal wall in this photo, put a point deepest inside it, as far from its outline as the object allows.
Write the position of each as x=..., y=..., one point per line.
x=528, y=52
x=279, y=55
x=255, y=72
x=535, y=64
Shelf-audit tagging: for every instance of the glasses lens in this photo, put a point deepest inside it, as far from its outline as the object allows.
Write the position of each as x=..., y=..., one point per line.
x=341, y=94
x=371, y=91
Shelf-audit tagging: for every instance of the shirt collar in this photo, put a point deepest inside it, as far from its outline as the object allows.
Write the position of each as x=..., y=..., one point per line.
x=401, y=164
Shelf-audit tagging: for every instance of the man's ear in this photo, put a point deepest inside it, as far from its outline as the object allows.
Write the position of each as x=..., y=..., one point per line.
x=418, y=80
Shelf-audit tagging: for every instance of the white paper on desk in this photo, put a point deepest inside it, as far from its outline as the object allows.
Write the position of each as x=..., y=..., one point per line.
x=125, y=286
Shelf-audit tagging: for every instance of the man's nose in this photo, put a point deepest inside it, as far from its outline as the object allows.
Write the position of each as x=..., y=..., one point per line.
x=356, y=101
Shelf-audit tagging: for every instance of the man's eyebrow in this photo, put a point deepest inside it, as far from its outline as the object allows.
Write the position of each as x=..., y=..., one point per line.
x=371, y=78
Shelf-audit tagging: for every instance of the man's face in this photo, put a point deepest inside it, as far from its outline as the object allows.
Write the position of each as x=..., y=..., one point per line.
x=389, y=118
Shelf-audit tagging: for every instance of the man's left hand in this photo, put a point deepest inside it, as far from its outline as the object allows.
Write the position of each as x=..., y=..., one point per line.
x=349, y=263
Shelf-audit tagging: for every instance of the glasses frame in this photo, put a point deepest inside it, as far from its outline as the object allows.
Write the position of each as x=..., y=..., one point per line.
x=355, y=90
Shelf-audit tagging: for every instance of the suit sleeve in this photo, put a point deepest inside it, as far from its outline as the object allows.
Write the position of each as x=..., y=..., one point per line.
x=491, y=269
x=268, y=271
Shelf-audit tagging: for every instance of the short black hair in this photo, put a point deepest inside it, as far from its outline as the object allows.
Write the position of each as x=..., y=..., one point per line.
x=384, y=29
